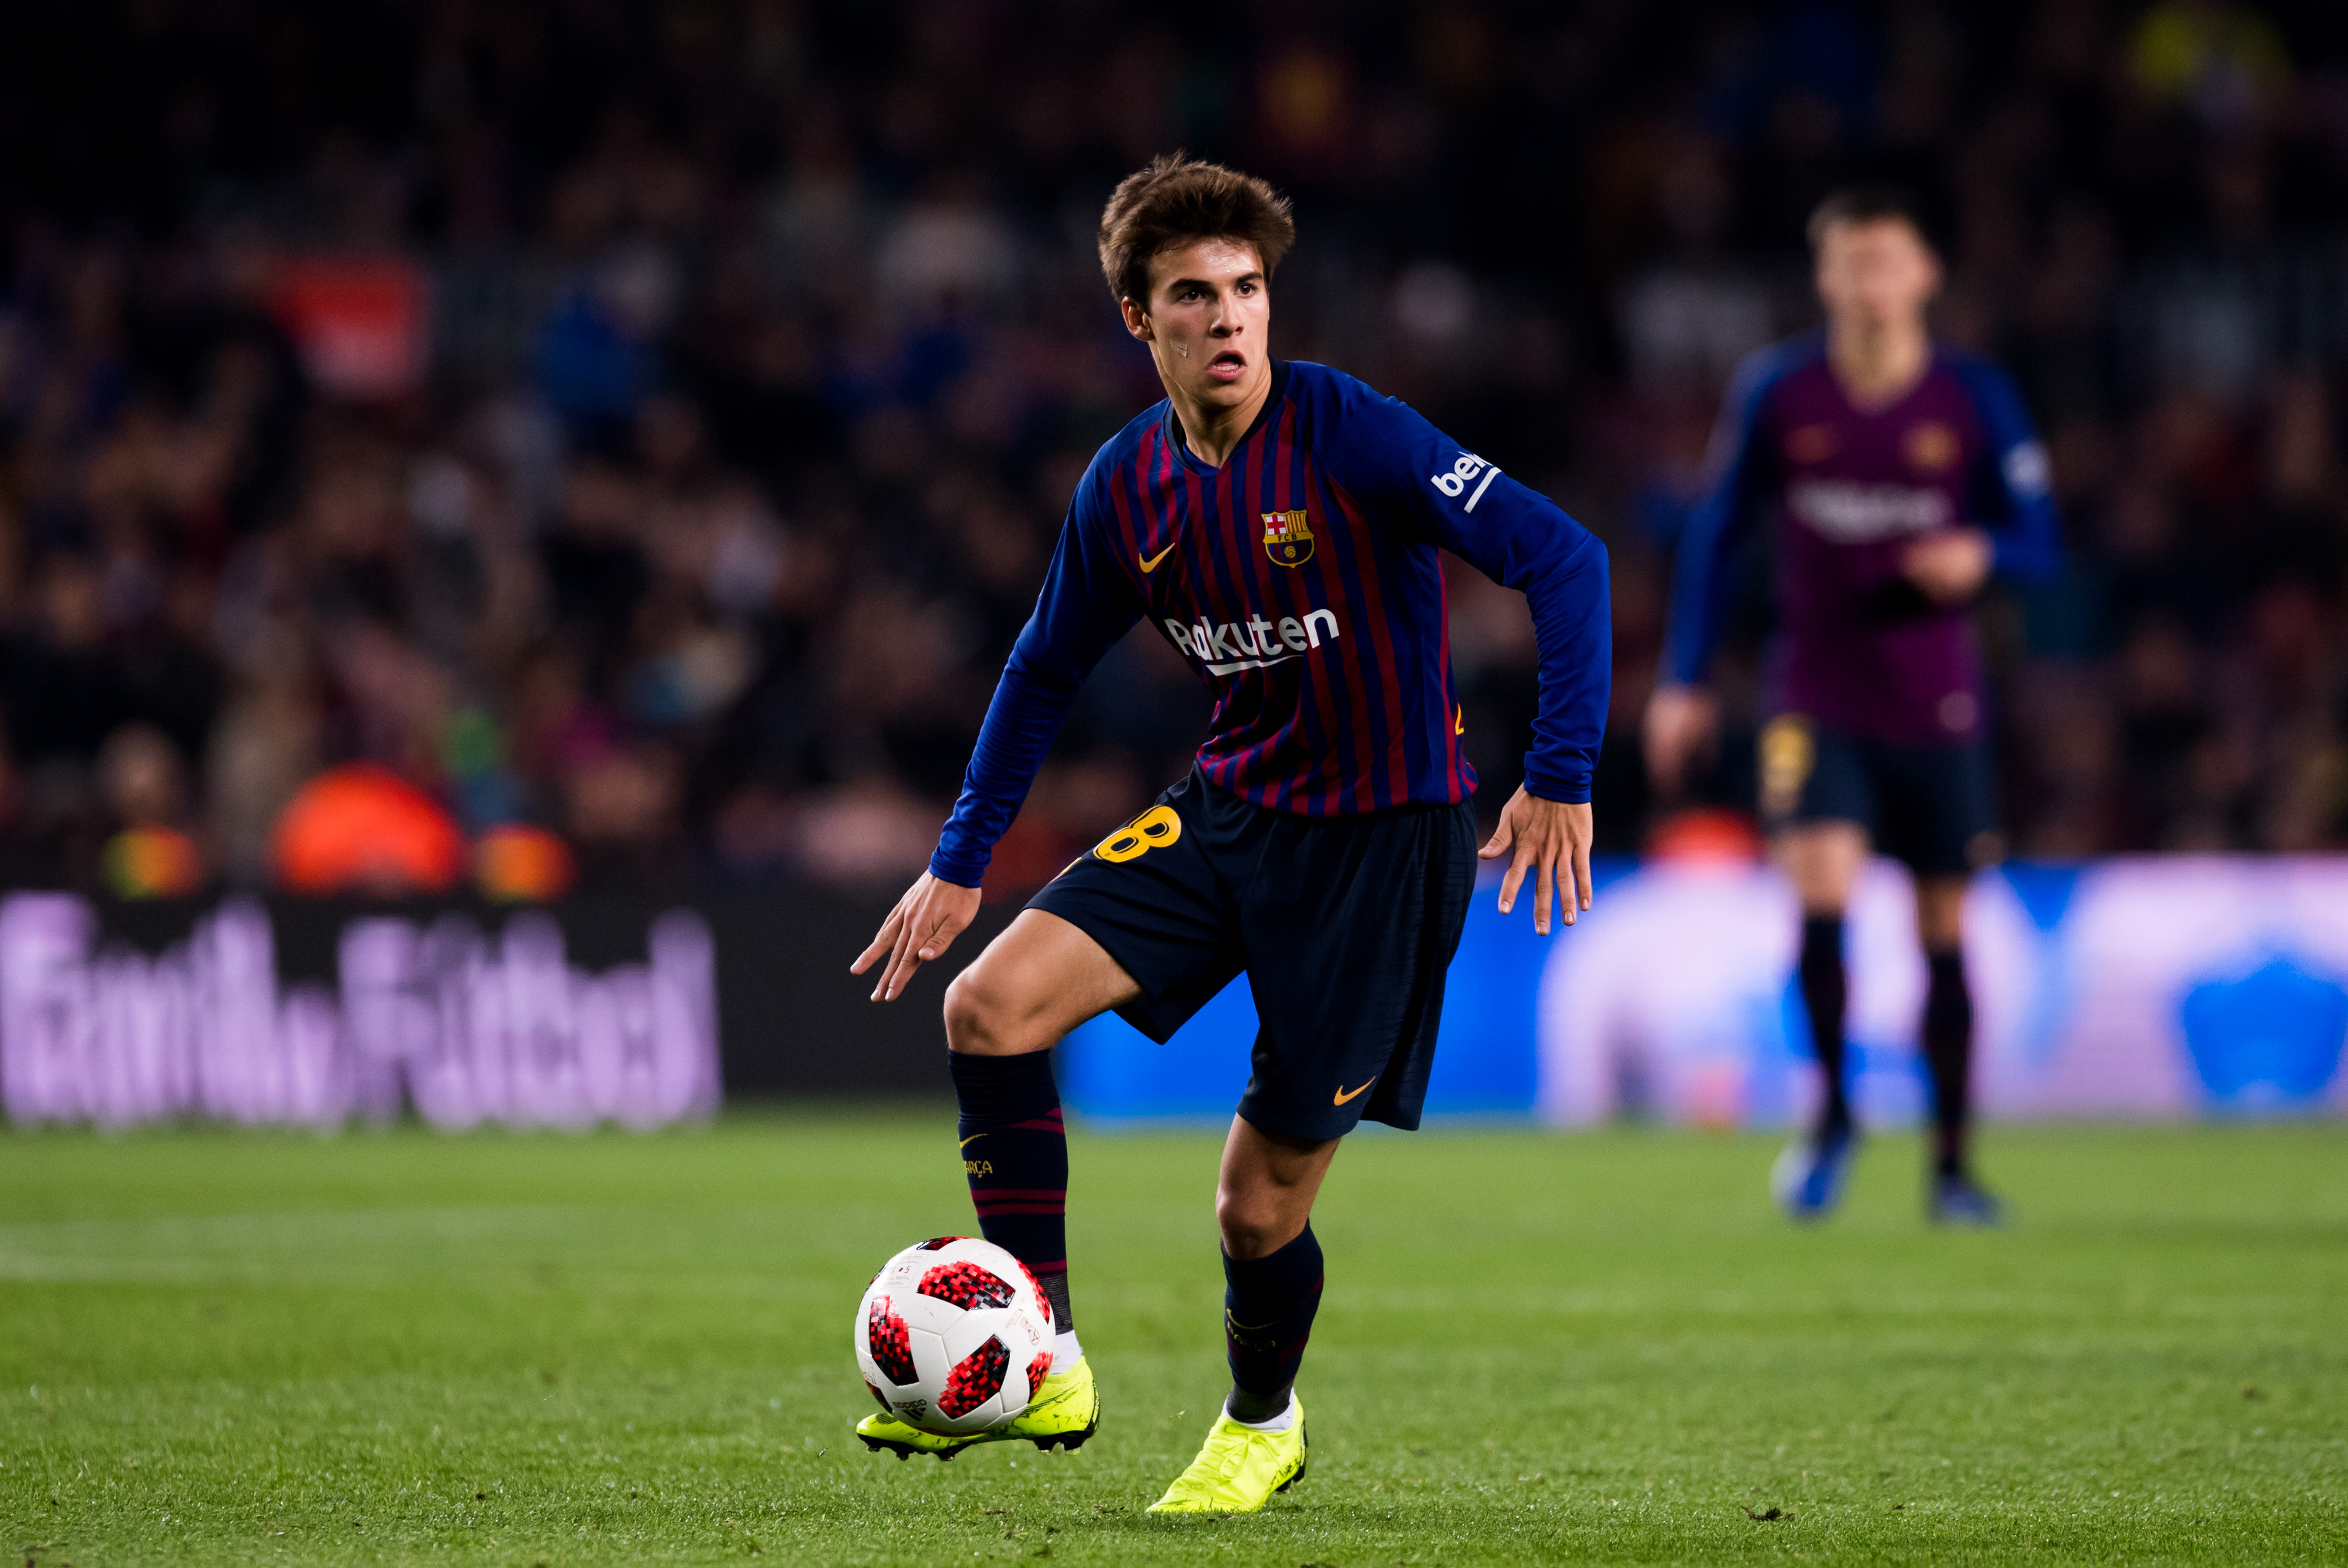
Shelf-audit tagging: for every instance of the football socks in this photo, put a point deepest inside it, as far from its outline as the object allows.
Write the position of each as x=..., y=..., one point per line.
x=1014, y=1154
x=1268, y=1308
x=1824, y=992
x=1285, y=1418
x=1949, y=1049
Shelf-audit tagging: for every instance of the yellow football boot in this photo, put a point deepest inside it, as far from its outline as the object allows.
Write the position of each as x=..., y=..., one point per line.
x=1064, y=1413
x=1240, y=1467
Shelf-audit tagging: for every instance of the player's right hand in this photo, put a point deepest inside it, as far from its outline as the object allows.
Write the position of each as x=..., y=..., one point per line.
x=1948, y=566
x=1679, y=722
x=922, y=927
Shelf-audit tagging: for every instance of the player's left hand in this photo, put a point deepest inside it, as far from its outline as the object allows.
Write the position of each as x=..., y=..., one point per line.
x=1949, y=567
x=918, y=929
x=1549, y=838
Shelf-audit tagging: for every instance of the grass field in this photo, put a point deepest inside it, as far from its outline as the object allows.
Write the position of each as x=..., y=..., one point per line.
x=399, y=1347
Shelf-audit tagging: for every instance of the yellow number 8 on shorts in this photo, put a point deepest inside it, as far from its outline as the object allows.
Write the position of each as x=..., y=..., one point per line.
x=1156, y=826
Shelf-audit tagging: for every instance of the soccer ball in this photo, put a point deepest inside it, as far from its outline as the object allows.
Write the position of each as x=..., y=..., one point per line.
x=953, y=1336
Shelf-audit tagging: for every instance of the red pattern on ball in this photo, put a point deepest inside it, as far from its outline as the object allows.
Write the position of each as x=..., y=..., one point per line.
x=967, y=1286
x=1043, y=1301
x=883, y=1399
x=975, y=1380
x=1038, y=1370
x=890, y=1341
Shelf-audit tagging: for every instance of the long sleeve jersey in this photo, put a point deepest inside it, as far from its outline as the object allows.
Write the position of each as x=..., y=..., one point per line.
x=1301, y=580
x=1859, y=647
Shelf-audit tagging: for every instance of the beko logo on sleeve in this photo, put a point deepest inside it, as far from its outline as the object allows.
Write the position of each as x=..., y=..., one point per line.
x=1464, y=471
x=2028, y=473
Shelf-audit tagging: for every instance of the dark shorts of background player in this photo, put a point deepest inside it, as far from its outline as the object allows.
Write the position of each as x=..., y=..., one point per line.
x=1931, y=806
x=1343, y=925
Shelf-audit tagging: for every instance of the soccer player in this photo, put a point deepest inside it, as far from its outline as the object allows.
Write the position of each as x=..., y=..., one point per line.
x=1278, y=524
x=1900, y=474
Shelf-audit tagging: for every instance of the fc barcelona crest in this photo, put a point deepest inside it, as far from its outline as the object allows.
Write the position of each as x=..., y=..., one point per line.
x=1931, y=445
x=1287, y=538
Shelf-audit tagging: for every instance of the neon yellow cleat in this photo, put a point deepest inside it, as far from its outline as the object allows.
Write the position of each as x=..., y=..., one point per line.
x=1065, y=1411
x=1239, y=1469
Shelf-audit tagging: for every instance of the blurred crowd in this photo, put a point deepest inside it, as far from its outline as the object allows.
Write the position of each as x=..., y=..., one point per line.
x=646, y=426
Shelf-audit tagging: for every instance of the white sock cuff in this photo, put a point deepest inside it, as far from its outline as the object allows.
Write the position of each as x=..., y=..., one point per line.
x=1065, y=1351
x=1279, y=1423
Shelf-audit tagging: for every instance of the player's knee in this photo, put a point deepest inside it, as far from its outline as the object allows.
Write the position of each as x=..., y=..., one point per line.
x=1940, y=914
x=1241, y=1229
x=981, y=1018
x=1251, y=1223
x=971, y=1014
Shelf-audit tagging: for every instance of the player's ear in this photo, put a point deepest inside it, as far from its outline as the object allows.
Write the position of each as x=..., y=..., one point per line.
x=1136, y=320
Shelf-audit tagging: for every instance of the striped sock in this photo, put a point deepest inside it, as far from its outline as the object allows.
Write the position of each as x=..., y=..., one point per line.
x=1268, y=1308
x=1014, y=1153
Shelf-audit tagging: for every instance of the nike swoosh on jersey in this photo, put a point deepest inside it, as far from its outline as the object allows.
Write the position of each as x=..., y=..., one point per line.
x=1343, y=1096
x=1237, y=665
x=1149, y=563
x=971, y=1139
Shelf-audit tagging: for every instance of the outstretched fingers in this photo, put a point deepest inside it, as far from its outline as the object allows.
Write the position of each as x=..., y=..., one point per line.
x=883, y=942
x=930, y=929
x=1514, y=878
x=905, y=959
x=1553, y=842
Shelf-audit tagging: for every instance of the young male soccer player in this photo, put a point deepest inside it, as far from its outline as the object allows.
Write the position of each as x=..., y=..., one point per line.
x=1902, y=474
x=1277, y=522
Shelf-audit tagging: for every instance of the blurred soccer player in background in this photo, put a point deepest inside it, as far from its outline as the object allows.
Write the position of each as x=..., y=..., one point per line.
x=1278, y=524
x=1901, y=475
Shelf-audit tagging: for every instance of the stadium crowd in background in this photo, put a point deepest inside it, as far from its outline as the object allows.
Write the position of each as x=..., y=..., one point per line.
x=650, y=423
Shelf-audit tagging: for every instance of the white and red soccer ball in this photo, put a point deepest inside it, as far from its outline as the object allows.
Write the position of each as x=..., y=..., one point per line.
x=953, y=1336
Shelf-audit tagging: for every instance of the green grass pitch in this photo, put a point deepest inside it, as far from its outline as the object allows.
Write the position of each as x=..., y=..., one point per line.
x=401, y=1347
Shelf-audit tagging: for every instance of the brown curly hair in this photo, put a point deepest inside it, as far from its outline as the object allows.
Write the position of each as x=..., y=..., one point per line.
x=1178, y=201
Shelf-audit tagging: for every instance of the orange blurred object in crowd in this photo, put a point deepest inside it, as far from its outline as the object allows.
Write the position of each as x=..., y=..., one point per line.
x=1705, y=835
x=361, y=828
x=515, y=862
x=152, y=863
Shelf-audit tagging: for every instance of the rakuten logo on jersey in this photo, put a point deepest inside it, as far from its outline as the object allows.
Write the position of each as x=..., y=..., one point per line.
x=1852, y=514
x=1254, y=643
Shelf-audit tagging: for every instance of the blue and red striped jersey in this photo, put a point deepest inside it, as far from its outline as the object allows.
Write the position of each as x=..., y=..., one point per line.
x=1303, y=580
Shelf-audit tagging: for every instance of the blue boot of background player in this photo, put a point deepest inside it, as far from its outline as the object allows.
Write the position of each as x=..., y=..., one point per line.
x=1809, y=1176
x=1959, y=1200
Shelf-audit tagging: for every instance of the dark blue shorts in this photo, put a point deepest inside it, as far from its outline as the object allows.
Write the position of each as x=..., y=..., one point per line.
x=1343, y=925
x=1933, y=807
